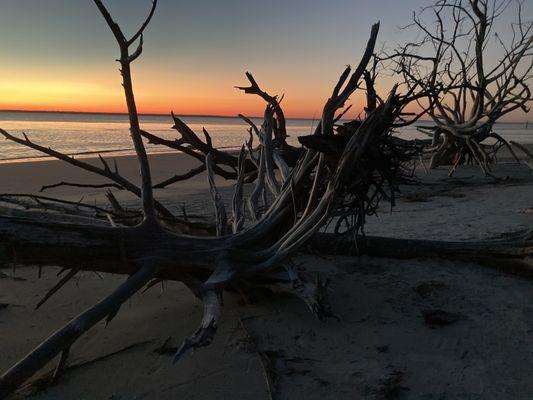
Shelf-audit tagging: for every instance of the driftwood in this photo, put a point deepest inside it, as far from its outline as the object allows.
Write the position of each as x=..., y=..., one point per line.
x=289, y=204
x=224, y=163
x=154, y=249
x=107, y=249
x=525, y=150
x=510, y=253
x=451, y=53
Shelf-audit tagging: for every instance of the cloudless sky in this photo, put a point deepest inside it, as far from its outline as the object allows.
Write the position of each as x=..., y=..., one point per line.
x=59, y=54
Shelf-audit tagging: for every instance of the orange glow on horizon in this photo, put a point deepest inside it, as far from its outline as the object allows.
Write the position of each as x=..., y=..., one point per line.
x=87, y=97
x=188, y=97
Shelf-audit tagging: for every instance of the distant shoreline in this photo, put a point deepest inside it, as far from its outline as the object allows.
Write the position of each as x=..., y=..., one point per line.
x=124, y=114
x=140, y=114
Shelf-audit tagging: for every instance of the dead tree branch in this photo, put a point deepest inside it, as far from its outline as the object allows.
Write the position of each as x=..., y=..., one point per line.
x=125, y=61
x=81, y=185
x=66, y=336
x=469, y=93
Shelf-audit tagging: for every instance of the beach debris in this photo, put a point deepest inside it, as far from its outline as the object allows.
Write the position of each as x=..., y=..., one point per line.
x=57, y=286
x=529, y=155
x=51, y=377
x=81, y=185
x=452, y=38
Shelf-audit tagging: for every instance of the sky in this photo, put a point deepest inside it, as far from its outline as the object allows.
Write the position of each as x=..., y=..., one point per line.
x=60, y=55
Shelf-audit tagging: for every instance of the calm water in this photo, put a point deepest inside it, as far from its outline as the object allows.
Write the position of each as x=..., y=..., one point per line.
x=91, y=133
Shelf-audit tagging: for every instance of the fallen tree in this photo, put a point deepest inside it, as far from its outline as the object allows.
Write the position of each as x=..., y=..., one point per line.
x=286, y=209
x=453, y=52
x=510, y=253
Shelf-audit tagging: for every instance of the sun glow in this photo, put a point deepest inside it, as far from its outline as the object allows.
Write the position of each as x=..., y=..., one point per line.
x=57, y=95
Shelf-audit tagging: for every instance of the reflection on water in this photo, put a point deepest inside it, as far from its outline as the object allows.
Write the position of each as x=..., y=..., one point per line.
x=90, y=133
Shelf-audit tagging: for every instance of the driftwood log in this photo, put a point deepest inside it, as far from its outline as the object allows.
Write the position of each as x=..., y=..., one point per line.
x=454, y=41
x=157, y=249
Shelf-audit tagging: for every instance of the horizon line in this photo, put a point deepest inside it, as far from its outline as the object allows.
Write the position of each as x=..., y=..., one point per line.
x=184, y=115
x=140, y=114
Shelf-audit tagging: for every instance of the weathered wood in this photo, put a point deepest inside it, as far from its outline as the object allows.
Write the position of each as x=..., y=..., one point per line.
x=281, y=131
x=103, y=249
x=529, y=154
x=125, y=60
x=470, y=96
x=150, y=251
x=56, y=287
x=237, y=203
x=220, y=209
x=100, y=248
x=66, y=336
x=513, y=254
x=105, y=171
x=205, y=333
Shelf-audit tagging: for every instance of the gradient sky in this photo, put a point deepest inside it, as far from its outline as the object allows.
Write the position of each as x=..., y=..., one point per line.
x=59, y=54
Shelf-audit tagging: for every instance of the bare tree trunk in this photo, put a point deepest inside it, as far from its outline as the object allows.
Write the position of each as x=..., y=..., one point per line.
x=509, y=254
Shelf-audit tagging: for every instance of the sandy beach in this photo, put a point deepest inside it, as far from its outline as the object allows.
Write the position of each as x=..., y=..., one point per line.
x=378, y=347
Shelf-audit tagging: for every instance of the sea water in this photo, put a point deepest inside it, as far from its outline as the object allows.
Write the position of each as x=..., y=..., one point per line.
x=89, y=134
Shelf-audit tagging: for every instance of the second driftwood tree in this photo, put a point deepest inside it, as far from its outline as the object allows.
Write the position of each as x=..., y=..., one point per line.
x=479, y=75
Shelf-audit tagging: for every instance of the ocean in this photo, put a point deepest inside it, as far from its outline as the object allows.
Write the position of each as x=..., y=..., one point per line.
x=85, y=135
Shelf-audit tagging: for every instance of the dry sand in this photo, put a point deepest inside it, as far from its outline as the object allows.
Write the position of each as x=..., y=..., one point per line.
x=379, y=348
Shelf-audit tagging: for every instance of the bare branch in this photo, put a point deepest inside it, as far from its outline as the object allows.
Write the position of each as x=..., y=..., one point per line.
x=105, y=172
x=63, y=338
x=205, y=333
x=125, y=60
x=82, y=185
x=220, y=209
x=254, y=88
x=144, y=25
x=237, y=203
x=179, y=178
x=58, y=286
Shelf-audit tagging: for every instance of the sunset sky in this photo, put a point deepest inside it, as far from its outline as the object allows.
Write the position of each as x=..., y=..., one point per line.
x=59, y=54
